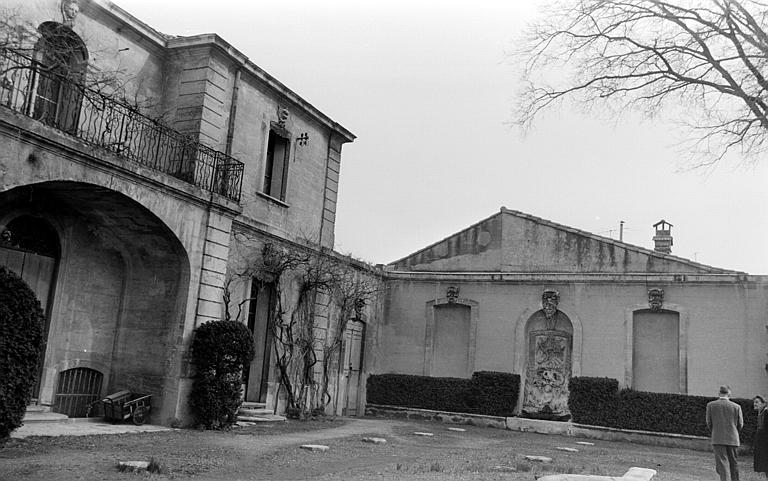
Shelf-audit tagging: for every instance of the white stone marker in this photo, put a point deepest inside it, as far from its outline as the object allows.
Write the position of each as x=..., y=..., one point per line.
x=541, y=459
x=585, y=443
x=634, y=474
x=569, y=450
x=375, y=440
x=417, y=433
x=458, y=430
x=133, y=466
x=315, y=447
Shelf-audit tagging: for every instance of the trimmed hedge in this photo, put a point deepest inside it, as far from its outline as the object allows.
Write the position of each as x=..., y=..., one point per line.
x=220, y=352
x=599, y=402
x=21, y=337
x=487, y=393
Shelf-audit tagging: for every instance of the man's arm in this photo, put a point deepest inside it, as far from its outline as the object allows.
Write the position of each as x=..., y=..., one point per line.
x=741, y=418
x=709, y=417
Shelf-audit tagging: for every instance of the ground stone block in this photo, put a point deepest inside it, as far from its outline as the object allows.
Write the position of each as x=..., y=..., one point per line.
x=585, y=443
x=132, y=466
x=458, y=430
x=315, y=447
x=568, y=450
x=634, y=474
x=417, y=433
x=504, y=469
x=375, y=440
x=541, y=459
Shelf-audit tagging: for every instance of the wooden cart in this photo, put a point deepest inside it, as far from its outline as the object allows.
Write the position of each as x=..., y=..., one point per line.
x=124, y=405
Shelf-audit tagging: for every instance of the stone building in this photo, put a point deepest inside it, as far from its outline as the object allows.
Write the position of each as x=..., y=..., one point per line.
x=520, y=294
x=142, y=175
x=132, y=163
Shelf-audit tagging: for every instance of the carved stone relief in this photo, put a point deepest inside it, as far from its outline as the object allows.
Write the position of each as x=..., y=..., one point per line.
x=452, y=293
x=548, y=364
x=655, y=299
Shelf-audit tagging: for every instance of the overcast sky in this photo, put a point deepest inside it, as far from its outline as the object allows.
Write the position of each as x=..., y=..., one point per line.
x=428, y=87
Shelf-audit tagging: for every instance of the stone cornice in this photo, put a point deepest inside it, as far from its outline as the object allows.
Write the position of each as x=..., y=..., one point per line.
x=556, y=277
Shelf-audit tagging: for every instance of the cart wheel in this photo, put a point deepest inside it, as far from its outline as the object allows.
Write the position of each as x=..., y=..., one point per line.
x=138, y=416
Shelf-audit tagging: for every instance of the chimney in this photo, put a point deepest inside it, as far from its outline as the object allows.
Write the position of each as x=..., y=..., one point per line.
x=663, y=239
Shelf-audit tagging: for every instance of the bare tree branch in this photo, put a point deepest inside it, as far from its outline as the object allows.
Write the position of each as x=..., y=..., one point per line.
x=706, y=59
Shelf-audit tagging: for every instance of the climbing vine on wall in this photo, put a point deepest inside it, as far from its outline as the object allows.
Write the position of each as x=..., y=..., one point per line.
x=316, y=294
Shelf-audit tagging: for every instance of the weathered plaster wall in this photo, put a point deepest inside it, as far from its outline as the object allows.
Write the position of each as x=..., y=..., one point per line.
x=512, y=241
x=725, y=343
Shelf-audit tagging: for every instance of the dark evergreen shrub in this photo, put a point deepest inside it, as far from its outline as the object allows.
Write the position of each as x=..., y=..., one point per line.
x=593, y=400
x=220, y=351
x=487, y=393
x=598, y=402
x=21, y=337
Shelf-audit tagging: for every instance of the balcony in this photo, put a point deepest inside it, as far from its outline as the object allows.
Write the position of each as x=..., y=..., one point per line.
x=29, y=88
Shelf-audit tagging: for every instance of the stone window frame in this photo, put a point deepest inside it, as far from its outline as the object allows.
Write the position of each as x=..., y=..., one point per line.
x=684, y=317
x=429, y=332
x=266, y=190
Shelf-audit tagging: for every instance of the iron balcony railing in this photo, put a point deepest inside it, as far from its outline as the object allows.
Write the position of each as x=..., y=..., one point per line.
x=38, y=92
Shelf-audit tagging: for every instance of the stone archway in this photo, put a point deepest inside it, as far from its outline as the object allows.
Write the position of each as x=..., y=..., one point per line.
x=120, y=291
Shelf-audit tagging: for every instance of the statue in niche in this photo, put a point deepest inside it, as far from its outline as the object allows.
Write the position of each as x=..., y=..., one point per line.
x=452, y=293
x=655, y=299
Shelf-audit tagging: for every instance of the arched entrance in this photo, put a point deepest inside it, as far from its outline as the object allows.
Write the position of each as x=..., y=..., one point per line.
x=119, y=292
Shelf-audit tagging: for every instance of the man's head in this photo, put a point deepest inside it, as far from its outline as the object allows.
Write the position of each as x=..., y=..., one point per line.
x=725, y=391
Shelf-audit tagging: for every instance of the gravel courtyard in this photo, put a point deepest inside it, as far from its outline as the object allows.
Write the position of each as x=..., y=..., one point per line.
x=272, y=452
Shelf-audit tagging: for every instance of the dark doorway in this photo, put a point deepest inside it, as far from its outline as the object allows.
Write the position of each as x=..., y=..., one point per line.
x=262, y=302
x=29, y=246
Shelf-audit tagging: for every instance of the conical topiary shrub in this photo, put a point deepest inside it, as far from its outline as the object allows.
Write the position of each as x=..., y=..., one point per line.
x=21, y=337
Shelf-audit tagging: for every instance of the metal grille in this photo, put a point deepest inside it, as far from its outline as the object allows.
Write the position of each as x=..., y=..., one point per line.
x=77, y=389
x=33, y=90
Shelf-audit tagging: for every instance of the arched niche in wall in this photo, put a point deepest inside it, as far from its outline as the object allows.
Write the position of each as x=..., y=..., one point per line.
x=451, y=337
x=656, y=348
x=532, y=328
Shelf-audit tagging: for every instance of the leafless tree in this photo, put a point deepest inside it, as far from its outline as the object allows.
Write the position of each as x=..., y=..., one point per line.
x=705, y=59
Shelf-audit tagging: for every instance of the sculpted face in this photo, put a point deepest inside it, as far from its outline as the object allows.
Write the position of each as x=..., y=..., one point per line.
x=70, y=9
x=758, y=404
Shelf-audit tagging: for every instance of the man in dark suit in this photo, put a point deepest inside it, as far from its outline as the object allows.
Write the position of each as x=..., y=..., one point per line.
x=724, y=420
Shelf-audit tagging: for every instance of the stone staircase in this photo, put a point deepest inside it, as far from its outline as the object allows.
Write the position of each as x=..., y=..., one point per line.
x=43, y=414
x=251, y=412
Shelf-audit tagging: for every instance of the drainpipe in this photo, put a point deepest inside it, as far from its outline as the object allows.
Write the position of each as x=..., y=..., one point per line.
x=233, y=112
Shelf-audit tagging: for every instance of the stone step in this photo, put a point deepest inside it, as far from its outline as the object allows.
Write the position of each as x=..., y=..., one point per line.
x=254, y=412
x=44, y=417
x=264, y=418
x=253, y=405
x=34, y=408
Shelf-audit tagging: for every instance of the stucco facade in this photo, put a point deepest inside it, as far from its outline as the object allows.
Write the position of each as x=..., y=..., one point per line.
x=143, y=212
x=709, y=330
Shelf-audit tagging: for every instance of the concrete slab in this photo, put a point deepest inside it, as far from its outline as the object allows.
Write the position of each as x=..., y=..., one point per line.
x=81, y=429
x=43, y=417
x=375, y=440
x=418, y=433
